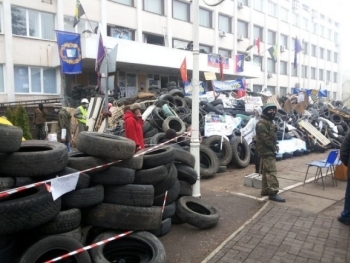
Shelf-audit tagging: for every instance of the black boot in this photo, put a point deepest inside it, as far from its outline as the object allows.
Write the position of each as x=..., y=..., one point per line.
x=276, y=198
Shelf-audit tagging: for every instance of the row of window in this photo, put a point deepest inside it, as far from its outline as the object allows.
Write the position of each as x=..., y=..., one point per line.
x=32, y=80
x=305, y=70
x=282, y=90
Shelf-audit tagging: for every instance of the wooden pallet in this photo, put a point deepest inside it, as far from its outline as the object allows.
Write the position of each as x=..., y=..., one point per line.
x=344, y=115
x=313, y=133
x=273, y=99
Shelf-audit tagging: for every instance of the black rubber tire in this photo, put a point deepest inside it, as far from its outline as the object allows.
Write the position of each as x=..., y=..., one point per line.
x=7, y=182
x=10, y=138
x=8, y=251
x=167, y=97
x=134, y=163
x=240, y=152
x=185, y=189
x=83, y=181
x=20, y=181
x=157, y=138
x=210, y=108
x=54, y=246
x=179, y=101
x=35, y=158
x=164, y=228
x=168, y=182
x=151, y=133
x=65, y=221
x=81, y=162
x=27, y=209
x=222, y=169
x=172, y=195
x=176, y=92
x=157, y=118
x=336, y=118
x=209, y=162
x=335, y=144
x=340, y=130
x=130, y=194
x=319, y=148
x=196, y=212
x=188, y=102
x=340, y=138
x=151, y=176
x=186, y=173
x=169, y=210
x=287, y=155
x=159, y=157
x=147, y=126
x=123, y=217
x=114, y=176
x=136, y=247
x=184, y=157
x=216, y=102
x=83, y=197
x=106, y=146
x=225, y=154
x=174, y=123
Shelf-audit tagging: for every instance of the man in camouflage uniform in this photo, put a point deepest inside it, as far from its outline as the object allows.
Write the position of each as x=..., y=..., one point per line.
x=266, y=147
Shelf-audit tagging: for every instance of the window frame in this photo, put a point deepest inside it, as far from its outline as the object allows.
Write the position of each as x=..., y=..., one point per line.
x=272, y=9
x=271, y=63
x=2, y=81
x=162, y=7
x=285, y=63
x=210, y=17
x=225, y=50
x=261, y=33
x=321, y=52
x=293, y=71
x=260, y=60
x=335, y=77
x=273, y=34
x=229, y=23
x=246, y=24
x=321, y=76
x=116, y=1
x=329, y=55
x=286, y=12
x=312, y=73
x=284, y=43
x=335, y=57
x=188, y=11
x=313, y=50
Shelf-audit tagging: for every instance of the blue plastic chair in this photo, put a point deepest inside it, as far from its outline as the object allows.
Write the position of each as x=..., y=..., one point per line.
x=328, y=163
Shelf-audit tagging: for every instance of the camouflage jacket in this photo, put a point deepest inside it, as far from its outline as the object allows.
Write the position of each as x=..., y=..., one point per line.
x=266, y=137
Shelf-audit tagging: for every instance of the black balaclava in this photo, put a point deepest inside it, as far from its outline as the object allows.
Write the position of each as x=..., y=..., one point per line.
x=269, y=106
x=41, y=106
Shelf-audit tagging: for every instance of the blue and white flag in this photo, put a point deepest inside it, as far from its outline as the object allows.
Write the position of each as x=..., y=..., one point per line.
x=228, y=85
x=69, y=50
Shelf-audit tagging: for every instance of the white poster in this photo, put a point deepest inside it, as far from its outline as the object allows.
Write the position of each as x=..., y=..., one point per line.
x=220, y=125
x=65, y=184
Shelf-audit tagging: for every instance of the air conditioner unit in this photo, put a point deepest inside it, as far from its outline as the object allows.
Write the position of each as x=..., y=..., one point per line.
x=295, y=5
x=282, y=48
x=239, y=37
x=222, y=33
x=269, y=75
x=240, y=5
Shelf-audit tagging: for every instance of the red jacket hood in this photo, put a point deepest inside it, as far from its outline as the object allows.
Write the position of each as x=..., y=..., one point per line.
x=128, y=114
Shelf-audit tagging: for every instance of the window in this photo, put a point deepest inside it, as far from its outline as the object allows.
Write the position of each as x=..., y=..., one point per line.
x=294, y=70
x=330, y=34
x=313, y=50
x=304, y=71
x=305, y=47
x=335, y=57
x=336, y=37
x=295, y=19
x=283, y=91
x=329, y=55
x=314, y=29
x=320, y=74
x=80, y=27
x=153, y=6
x=335, y=77
x=181, y=11
x=225, y=23
x=124, y=2
x=271, y=37
x=313, y=73
x=2, y=83
x=258, y=33
x=244, y=2
x=305, y=23
x=1, y=16
x=272, y=9
x=31, y=23
x=180, y=44
x=321, y=55
x=292, y=44
x=257, y=88
x=283, y=70
x=204, y=18
x=225, y=53
x=258, y=60
x=120, y=32
x=321, y=32
x=284, y=41
x=328, y=75
x=284, y=13
x=334, y=95
x=204, y=48
x=35, y=80
x=271, y=89
x=271, y=67
x=258, y=5
x=242, y=28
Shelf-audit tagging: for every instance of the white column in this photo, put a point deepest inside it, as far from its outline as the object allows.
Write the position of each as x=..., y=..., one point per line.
x=278, y=41
x=9, y=73
x=195, y=98
x=168, y=31
x=103, y=17
x=266, y=54
x=60, y=15
x=216, y=30
x=251, y=30
x=139, y=21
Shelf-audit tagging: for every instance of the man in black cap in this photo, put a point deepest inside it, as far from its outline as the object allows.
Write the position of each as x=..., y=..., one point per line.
x=266, y=147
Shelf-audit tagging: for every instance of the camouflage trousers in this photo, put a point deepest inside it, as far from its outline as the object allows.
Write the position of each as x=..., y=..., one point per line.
x=269, y=181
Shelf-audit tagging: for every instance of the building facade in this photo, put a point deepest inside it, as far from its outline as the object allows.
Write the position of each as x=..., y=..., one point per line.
x=152, y=37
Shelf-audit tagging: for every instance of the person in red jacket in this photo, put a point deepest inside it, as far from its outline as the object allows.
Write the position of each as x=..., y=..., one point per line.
x=133, y=124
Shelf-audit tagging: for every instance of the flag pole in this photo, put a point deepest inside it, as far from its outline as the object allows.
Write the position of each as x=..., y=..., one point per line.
x=89, y=23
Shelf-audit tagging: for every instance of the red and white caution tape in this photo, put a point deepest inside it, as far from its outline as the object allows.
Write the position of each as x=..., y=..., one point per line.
x=23, y=188
x=165, y=197
x=89, y=247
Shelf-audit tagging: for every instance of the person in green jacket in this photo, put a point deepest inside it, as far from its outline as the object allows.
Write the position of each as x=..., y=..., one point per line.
x=266, y=147
x=81, y=115
x=64, y=134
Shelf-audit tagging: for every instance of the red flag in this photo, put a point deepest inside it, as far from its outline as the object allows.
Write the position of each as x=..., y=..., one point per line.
x=221, y=68
x=257, y=43
x=183, y=70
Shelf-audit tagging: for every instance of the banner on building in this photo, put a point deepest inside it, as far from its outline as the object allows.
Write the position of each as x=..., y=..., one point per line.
x=228, y=85
x=69, y=51
x=239, y=63
x=214, y=61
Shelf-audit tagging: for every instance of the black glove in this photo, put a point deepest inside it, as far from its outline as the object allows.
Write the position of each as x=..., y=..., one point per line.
x=286, y=129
